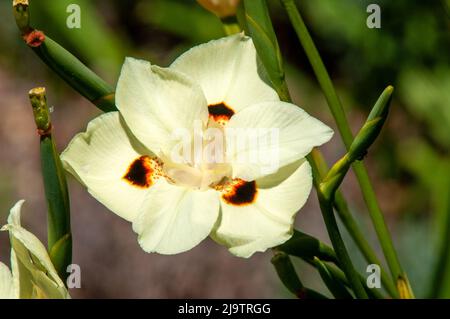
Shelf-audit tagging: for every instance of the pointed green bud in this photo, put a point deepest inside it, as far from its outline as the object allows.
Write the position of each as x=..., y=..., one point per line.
x=372, y=128
x=358, y=148
x=286, y=272
x=288, y=276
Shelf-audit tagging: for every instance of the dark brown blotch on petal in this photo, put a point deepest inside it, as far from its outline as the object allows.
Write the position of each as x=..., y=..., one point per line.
x=140, y=172
x=240, y=193
x=220, y=112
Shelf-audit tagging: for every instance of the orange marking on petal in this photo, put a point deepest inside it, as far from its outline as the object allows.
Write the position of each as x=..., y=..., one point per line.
x=143, y=172
x=221, y=113
x=239, y=192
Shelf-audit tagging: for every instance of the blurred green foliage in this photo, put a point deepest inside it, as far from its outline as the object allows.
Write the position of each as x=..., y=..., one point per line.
x=411, y=50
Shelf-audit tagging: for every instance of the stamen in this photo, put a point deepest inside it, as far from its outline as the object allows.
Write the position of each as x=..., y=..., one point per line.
x=221, y=113
x=143, y=171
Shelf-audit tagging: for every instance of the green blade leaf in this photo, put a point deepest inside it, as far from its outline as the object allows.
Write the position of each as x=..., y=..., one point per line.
x=63, y=63
x=56, y=192
x=261, y=30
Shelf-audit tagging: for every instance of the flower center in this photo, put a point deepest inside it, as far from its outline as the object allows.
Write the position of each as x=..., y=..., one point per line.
x=198, y=165
x=205, y=164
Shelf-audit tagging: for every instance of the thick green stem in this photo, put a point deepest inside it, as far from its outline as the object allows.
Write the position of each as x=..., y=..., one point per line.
x=63, y=63
x=56, y=193
x=334, y=234
x=330, y=183
x=336, y=287
x=352, y=227
x=344, y=129
x=440, y=282
x=76, y=74
x=288, y=276
x=339, y=246
x=340, y=276
x=260, y=27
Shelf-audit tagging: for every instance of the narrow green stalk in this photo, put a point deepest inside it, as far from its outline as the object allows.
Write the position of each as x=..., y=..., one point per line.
x=351, y=225
x=63, y=63
x=261, y=29
x=339, y=246
x=440, y=283
x=307, y=248
x=329, y=185
x=344, y=129
x=57, y=196
x=360, y=145
x=336, y=288
x=339, y=275
x=288, y=276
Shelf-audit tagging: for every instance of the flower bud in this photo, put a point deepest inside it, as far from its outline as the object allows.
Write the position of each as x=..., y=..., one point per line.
x=221, y=8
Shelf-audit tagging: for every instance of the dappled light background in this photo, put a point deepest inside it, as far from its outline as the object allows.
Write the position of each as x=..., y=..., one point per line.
x=408, y=164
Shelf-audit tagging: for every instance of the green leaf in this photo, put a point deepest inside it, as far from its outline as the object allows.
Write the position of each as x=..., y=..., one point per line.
x=335, y=286
x=56, y=192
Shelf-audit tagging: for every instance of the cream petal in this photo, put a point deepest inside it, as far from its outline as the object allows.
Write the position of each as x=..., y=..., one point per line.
x=100, y=159
x=266, y=136
x=174, y=219
x=268, y=220
x=228, y=71
x=158, y=102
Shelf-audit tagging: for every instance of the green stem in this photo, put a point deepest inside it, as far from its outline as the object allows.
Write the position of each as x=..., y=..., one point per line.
x=344, y=129
x=334, y=234
x=288, y=276
x=330, y=183
x=76, y=74
x=307, y=248
x=63, y=63
x=339, y=246
x=337, y=289
x=56, y=193
x=351, y=225
x=440, y=283
x=340, y=276
x=260, y=28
